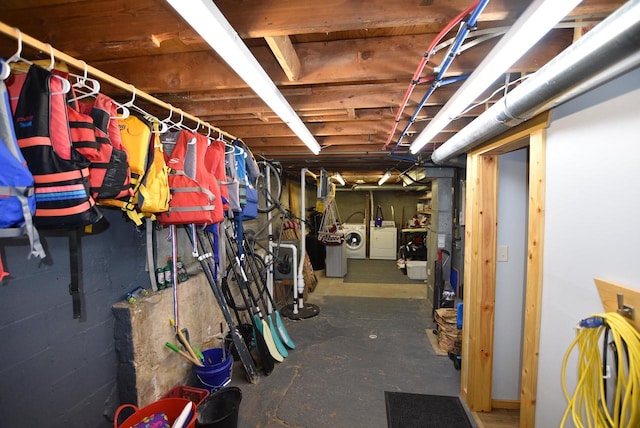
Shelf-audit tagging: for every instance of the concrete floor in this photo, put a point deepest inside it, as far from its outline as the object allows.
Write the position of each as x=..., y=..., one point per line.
x=367, y=339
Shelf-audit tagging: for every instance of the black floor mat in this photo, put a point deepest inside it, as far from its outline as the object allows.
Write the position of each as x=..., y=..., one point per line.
x=376, y=272
x=405, y=410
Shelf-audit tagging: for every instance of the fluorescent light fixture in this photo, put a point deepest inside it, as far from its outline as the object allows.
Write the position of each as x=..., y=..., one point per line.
x=384, y=178
x=207, y=20
x=339, y=178
x=531, y=26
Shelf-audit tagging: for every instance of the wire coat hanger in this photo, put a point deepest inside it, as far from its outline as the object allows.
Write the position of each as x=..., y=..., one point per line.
x=177, y=125
x=163, y=126
x=196, y=128
x=82, y=86
x=84, y=81
x=125, y=107
x=17, y=56
x=66, y=85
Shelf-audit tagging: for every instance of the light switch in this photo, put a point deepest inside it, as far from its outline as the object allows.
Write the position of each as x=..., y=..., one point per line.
x=503, y=253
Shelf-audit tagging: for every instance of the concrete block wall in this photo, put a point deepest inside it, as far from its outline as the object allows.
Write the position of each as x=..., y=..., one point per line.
x=58, y=371
x=146, y=367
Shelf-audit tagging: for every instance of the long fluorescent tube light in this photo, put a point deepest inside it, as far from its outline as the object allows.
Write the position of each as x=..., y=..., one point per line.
x=339, y=178
x=384, y=178
x=531, y=26
x=207, y=20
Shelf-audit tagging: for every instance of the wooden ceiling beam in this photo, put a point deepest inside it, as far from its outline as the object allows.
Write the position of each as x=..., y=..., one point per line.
x=360, y=60
x=256, y=18
x=286, y=55
x=384, y=114
x=355, y=127
x=376, y=140
x=112, y=24
x=366, y=97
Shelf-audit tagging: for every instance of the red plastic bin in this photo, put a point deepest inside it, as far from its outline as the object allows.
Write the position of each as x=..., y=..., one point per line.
x=197, y=395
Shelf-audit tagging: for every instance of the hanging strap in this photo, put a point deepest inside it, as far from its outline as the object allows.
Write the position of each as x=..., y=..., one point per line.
x=151, y=265
x=75, y=263
x=216, y=251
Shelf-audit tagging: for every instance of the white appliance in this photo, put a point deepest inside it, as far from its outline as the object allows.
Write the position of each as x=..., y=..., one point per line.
x=355, y=240
x=383, y=242
x=336, y=261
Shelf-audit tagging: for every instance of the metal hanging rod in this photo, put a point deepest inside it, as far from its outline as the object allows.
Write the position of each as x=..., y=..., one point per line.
x=100, y=75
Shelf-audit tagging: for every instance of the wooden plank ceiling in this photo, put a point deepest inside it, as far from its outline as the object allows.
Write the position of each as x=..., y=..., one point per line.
x=344, y=66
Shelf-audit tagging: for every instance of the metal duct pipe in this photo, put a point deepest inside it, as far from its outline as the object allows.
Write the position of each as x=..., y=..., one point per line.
x=607, y=51
x=368, y=187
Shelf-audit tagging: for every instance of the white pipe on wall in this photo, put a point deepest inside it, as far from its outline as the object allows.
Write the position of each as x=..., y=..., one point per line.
x=297, y=294
x=303, y=233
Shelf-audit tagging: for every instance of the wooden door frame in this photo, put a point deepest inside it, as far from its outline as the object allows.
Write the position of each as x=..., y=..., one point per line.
x=481, y=231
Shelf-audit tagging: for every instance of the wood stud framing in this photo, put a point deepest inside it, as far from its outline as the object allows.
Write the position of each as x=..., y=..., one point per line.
x=480, y=267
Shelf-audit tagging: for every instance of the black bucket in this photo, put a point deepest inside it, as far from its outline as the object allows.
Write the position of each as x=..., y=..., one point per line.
x=220, y=409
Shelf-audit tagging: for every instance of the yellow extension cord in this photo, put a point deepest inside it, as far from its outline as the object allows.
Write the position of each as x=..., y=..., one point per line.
x=587, y=404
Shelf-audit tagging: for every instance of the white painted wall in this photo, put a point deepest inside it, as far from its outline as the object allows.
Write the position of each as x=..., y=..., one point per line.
x=592, y=215
x=510, y=275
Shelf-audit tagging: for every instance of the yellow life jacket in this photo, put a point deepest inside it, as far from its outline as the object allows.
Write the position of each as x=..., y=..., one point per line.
x=153, y=194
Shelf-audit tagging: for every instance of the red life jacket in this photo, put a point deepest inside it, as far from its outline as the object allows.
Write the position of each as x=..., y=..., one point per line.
x=110, y=174
x=214, y=158
x=191, y=202
x=60, y=173
x=205, y=176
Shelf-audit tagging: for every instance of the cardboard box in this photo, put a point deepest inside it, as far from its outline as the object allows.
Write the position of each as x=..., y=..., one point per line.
x=416, y=269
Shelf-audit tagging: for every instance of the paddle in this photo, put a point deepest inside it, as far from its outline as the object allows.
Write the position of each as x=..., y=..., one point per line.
x=251, y=260
x=232, y=303
x=261, y=346
x=238, y=341
x=262, y=329
x=280, y=328
x=256, y=268
x=259, y=322
x=257, y=273
x=276, y=338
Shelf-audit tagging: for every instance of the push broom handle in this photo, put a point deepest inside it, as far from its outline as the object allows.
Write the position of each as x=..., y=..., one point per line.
x=185, y=342
x=183, y=354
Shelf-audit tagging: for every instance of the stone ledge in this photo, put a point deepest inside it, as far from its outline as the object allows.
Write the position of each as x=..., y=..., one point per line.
x=146, y=367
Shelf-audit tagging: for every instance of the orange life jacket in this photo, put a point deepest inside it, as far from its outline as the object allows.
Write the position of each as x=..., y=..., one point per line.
x=214, y=158
x=60, y=173
x=205, y=167
x=110, y=175
x=191, y=202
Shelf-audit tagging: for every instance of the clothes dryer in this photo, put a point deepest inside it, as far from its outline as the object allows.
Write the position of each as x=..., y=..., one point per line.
x=384, y=241
x=355, y=240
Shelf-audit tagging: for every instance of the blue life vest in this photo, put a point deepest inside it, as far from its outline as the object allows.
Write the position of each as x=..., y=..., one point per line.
x=17, y=196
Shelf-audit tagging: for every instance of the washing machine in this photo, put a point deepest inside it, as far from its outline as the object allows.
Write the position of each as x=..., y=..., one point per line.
x=355, y=240
x=383, y=242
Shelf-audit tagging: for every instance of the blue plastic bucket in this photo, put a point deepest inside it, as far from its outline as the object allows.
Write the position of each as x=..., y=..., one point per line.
x=216, y=373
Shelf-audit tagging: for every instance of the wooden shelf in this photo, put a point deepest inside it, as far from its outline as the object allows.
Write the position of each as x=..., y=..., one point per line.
x=609, y=296
x=414, y=230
